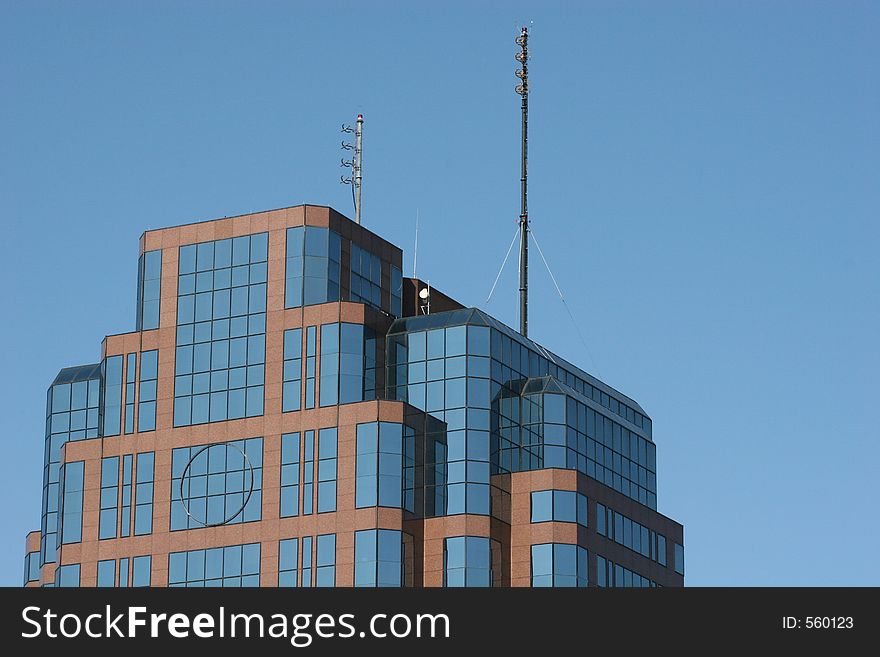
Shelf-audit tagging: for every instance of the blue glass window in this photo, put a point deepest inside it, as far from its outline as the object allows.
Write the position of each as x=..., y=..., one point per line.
x=72, y=406
x=219, y=484
x=221, y=330
x=384, y=465
x=348, y=364
x=633, y=535
x=32, y=567
x=544, y=412
x=143, y=510
x=467, y=562
x=679, y=558
x=439, y=380
x=230, y=566
x=325, y=560
x=308, y=472
x=67, y=575
x=330, y=365
x=559, y=505
x=312, y=271
x=288, y=553
x=126, y=497
x=107, y=573
x=149, y=375
x=149, y=290
x=559, y=564
x=111, y=407
x=306, y=579
x=71, y=503
x=107, y=519
x=378, y=558
x=141, y=570
x=289, y=475
x=123, y=572
x=311, y=365
x=610, y=574
x=291, y=391
x=366, y=277
x=130, y=374
x=327, y=470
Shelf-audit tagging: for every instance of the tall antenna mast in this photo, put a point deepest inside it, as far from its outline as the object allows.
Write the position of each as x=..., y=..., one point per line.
x=358, y=164
x=523, y=90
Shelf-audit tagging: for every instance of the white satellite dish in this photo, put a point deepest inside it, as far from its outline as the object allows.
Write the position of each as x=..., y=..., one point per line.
x=424, y=293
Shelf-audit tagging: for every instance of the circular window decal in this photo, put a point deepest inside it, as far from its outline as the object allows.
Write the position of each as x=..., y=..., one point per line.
x=216, y=482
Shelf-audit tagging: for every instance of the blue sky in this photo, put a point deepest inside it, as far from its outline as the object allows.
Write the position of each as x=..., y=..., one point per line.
x=704, y=182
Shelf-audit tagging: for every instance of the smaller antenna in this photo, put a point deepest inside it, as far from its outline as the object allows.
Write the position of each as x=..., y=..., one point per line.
x=358, y=166
x=355, y=163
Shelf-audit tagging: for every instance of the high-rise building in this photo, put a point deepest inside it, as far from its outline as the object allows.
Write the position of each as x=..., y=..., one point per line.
x=290, y=410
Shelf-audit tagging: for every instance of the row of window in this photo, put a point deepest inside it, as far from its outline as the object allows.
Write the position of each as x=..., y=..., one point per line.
x=222, y=379
x=610, y=574
x=298, y=472
x=544, y=430
x=111, y=408
x=366, y=276
x=230, y=566
x=515, y=361
x=313, y=272
x=132, y=572
x=347, y=366
x=222, y=484
x=307, y=561
x=446, y=369
x=381, y=558
x=117, y=501
x=631, y=534
x=559, y=506
x=559, y=565
x=385, y=465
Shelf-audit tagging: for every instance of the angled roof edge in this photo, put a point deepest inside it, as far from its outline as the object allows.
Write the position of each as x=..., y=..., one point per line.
x=77, y=373
x=477, y=317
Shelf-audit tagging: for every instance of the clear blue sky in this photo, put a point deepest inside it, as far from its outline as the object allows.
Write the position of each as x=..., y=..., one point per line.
x=704, y=182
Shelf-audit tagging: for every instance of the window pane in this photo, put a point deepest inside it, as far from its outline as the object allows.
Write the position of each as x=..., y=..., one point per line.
x=542, y=506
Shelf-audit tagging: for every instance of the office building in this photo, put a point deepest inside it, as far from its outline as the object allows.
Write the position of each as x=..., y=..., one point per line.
x=291, y=410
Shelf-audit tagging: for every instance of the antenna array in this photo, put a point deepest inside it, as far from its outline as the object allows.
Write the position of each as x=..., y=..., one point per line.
x=355, y=163
x=523, y=90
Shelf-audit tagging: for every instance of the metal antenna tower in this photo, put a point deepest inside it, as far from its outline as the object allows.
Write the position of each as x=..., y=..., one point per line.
x=355, y=163
x=523, y=90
